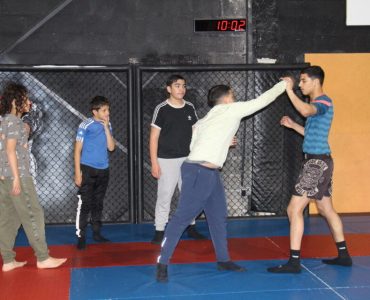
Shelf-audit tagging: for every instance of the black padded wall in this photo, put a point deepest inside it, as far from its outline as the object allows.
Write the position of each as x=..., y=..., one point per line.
x=161, y=31
x=117, y=32
x=285, y=30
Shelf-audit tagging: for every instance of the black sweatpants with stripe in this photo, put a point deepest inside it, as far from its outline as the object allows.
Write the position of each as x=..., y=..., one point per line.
x=90, y=198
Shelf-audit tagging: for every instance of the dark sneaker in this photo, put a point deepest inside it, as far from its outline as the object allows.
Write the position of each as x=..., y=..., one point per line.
x=339, y=261
x=158, y=237
x=81, y=243
x=162, y=275
x=99, y=238
x=287, y=268
x=230, y=266
x=194, y=234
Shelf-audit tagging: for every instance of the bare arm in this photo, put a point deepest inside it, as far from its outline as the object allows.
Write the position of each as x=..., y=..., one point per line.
x=11, y=152
x=305, y=109
x=153, y=148
x=110, y=141
x=289, y=123
x=77, y=159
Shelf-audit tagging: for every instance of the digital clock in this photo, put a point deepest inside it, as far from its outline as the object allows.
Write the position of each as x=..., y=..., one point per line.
x=236, y=25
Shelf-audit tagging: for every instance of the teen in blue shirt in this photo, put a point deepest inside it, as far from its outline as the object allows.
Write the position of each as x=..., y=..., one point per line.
x=315, y=179
x=94, y=140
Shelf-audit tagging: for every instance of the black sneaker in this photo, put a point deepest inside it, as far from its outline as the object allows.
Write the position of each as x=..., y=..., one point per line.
x=287, y=268
x=158, y=237
x=194, y=234
x=339, y=261
x=99, y=238
x=81, y=243
x=162, y=275
x=230, y=266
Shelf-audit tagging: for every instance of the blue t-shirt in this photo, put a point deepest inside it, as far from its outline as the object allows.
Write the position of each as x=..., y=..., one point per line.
x=94, y=148
x=316, y=130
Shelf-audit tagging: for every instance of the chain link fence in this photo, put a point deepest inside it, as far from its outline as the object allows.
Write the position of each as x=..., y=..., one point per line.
x=260, y=171
x=60, y=103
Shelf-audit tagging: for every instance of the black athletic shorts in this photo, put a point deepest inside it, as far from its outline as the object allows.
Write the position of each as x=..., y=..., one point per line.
x=315, y=177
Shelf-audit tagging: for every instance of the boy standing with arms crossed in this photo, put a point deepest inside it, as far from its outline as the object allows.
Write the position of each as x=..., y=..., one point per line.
x=170, y=137
x=94, y=140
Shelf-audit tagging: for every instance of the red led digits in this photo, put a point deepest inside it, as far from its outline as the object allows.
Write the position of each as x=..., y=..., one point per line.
x=231, y=25
x=220, y=25
x=242, y=26
x=234, y=25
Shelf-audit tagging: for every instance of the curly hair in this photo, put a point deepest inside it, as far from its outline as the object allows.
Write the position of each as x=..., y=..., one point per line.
x=13, y=91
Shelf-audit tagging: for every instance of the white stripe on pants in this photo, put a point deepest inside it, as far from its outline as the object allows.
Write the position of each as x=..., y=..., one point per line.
x=170, y=178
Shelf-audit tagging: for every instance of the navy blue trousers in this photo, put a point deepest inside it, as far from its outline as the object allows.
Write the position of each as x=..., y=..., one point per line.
x=202, y=189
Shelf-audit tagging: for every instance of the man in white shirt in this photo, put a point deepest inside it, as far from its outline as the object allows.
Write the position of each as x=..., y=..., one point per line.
x=202, y=188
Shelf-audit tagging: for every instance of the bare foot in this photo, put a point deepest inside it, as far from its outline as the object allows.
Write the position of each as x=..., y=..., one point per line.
x=51, y=263
x=13, y=265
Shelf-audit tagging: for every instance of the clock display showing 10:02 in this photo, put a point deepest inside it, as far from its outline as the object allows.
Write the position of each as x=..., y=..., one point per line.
x=235, y=25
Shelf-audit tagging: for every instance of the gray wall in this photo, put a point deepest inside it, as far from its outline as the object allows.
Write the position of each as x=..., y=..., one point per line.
x=117, y=32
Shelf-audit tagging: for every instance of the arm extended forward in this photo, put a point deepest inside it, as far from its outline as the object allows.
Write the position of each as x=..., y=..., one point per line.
x=246, y=108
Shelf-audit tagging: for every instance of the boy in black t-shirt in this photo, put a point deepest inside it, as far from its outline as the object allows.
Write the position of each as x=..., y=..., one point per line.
x=170, y=138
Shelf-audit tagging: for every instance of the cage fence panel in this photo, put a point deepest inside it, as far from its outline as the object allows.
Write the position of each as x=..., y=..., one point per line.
x=267, y=149
x=60, y=103
x=258, y=172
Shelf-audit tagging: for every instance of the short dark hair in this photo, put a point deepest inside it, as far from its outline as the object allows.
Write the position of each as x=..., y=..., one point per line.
x=315, y=72
x=217, y=92
x=13, y=91
x=173, y=78
x=97, y=102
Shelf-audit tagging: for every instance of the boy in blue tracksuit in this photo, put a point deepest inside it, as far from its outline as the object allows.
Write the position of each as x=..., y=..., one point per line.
x=94, y=140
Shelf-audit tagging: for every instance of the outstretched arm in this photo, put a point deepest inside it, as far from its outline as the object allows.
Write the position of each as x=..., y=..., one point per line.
x=246, y=108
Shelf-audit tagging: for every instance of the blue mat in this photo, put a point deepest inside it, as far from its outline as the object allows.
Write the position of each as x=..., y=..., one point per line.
x=203, y=281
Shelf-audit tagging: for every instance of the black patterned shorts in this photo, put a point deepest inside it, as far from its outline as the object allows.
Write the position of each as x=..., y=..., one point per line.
x=315, y=177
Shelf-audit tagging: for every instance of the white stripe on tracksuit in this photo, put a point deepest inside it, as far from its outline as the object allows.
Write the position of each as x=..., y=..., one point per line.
x=79, y=204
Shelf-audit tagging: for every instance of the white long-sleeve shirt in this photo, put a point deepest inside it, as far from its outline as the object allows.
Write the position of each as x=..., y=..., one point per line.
x=213, y=134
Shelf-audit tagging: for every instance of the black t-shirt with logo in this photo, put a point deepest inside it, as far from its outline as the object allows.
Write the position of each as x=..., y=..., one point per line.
x=176, y=125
